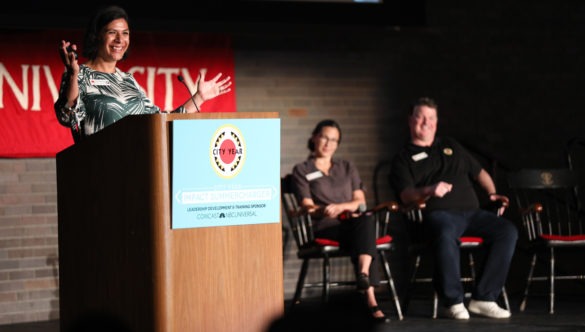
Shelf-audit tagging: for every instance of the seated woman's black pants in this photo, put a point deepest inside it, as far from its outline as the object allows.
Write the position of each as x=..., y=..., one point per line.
x=358, y=237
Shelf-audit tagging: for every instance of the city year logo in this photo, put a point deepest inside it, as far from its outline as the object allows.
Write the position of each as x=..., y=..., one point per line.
x=228, y=151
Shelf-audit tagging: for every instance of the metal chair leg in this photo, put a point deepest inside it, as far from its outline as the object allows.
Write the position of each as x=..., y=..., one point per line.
x=300, y=283
x=528, y=282
x=326, y=270
x=505, y=299
x=412, y=282
x=551, y=278
x=391, y=286
x=471, y=267
x=435, y=305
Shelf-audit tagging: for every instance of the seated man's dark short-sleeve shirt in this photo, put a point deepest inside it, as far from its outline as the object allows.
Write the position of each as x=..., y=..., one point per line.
x=445, y=160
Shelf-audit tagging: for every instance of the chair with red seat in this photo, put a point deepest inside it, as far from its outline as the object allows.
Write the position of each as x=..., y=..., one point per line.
x=419, y=247
x=311, y=248
x=553, y=224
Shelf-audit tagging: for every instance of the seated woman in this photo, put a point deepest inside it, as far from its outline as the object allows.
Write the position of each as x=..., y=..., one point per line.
x=330, y=188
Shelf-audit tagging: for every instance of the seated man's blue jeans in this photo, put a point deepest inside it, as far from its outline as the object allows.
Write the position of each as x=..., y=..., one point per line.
x=443, y=229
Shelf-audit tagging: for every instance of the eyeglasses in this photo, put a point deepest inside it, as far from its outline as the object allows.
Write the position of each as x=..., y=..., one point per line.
x=325, y=139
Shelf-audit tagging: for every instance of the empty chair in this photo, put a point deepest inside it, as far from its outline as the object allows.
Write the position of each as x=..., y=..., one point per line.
x=552, y=221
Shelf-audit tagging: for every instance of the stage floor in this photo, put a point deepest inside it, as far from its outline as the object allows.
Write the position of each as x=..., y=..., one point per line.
x=569, y=316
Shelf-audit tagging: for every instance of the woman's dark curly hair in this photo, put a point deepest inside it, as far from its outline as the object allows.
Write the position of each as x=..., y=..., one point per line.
x=317, y=131
x=93, y=33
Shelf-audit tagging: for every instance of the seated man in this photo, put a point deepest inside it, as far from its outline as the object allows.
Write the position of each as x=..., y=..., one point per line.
x=440, y=171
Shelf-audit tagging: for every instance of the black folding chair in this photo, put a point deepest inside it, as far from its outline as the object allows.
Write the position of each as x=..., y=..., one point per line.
x=553, y=223
x=310, y=248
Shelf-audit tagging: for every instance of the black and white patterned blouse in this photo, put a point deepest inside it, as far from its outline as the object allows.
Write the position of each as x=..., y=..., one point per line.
x=103, y=99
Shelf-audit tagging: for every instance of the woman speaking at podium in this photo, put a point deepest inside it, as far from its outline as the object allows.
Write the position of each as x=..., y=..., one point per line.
x=96, y=94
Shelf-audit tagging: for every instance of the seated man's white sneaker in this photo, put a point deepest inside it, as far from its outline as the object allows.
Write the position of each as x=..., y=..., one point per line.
x=456, y=311
x=488, y=309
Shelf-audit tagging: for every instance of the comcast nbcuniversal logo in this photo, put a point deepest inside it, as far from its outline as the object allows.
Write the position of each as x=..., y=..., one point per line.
x=228, y=151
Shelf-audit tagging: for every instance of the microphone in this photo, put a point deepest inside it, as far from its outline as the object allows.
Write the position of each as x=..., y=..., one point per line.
x=347, y=214
x=182, y=80
x=70, y=49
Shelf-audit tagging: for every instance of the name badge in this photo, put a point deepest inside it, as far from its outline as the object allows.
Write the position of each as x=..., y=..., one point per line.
x=314, y=175
x=99, y=82
x=419, y=156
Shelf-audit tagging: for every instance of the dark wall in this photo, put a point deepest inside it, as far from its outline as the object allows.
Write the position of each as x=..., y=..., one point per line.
x=507, y=76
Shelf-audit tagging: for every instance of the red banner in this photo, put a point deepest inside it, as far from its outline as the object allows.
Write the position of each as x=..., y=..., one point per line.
x=30, y=75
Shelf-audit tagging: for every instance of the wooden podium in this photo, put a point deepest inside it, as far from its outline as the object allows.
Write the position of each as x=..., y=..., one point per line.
x=121, y=264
